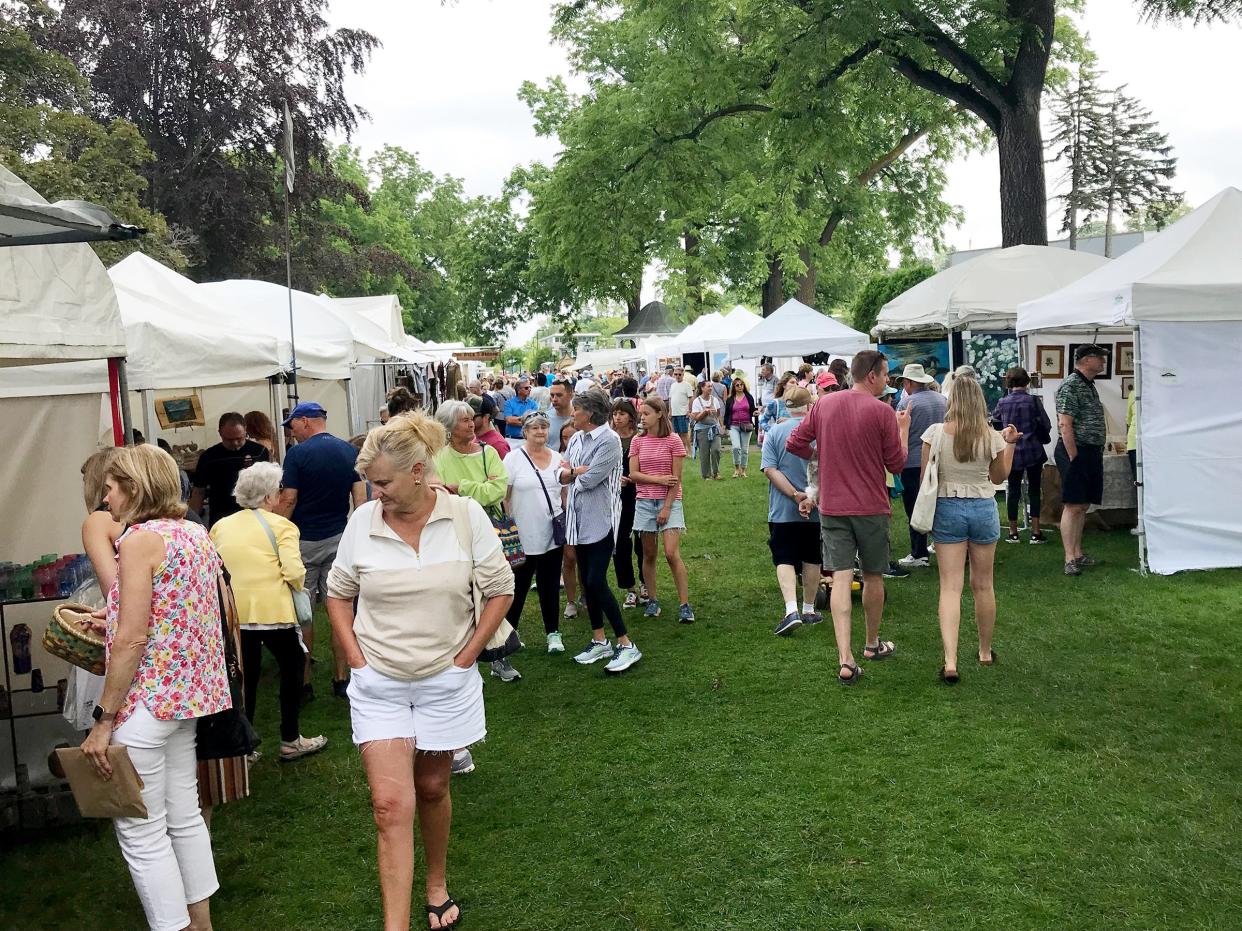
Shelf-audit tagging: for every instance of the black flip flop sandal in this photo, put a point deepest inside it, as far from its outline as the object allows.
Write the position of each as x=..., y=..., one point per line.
x=882, y=650
x=855, y=674
x=439, y=910
x=949, y=678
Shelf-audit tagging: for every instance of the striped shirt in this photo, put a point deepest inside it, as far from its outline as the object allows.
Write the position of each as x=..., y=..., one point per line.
x=594, y=505
x=655, y=457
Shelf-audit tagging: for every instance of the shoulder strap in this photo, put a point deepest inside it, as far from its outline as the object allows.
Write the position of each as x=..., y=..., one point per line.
x=267, y=528
x=535, y=469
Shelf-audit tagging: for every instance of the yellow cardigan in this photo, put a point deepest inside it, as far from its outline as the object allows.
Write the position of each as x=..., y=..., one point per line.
x=258, y=583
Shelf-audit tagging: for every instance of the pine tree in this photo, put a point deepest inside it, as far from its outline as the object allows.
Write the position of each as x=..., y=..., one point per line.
x=1134, y=164
x=1078, y=114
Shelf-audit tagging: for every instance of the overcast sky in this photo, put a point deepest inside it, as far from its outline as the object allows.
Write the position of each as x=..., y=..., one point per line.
x=445, y=86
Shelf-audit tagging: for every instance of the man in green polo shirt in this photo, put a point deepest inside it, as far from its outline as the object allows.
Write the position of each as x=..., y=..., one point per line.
x=1080, y=451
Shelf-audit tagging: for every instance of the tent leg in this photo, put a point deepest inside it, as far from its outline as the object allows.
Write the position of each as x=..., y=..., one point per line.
x=148, y=413
x=114, y=402
x=274, y=399
x=350, y=405
x=1138, y=449
x=127, y=418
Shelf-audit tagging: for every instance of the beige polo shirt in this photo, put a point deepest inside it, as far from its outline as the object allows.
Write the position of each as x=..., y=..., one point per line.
x=415, y=607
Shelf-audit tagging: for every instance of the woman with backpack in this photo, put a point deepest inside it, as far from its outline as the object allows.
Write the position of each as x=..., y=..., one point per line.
x=1027, y=414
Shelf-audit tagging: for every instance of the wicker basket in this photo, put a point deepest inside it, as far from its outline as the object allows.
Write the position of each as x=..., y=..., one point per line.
x=66, y=638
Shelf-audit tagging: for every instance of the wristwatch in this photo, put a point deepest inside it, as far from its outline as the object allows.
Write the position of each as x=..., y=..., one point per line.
x=100, y=715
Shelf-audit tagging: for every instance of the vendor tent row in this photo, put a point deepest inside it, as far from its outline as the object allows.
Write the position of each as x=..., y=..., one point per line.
x=1178, y=298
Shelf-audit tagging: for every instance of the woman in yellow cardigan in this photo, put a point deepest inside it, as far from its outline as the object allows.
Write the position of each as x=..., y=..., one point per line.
x=260, y=550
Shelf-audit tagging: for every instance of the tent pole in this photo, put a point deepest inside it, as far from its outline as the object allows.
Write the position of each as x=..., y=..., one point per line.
x=1138, y=449
x=114, y=403
x=273, y=393
x=127, y=419
x=148, y=413
x=293, y=347
x=349, y=403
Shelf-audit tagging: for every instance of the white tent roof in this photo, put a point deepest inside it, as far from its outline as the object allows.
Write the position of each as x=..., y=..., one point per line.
x=737, y=322
x=56, y=302
x=384, y=310
x=985, y=292
x=692, y=337
x=794, y=329
x=26, y=219
x=1192, y=271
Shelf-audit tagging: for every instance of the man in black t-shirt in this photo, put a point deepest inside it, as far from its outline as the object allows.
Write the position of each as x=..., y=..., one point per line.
x=218, y=468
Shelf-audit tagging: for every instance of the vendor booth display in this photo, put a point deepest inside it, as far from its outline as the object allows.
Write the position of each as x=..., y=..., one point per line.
x=1174, y=305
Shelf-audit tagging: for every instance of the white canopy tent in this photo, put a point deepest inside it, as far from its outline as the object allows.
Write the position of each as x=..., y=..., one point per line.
x=982, y=294
x=1181, y=294
x=692, y=338
x=27, y=219
x=794, y=329
x=736, y=323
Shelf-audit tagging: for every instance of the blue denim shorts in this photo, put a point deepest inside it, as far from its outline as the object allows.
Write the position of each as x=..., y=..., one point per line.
x=646, y=510
x=966, y=520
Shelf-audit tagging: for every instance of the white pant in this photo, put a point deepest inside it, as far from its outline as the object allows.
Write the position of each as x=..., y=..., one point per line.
x=169, y=852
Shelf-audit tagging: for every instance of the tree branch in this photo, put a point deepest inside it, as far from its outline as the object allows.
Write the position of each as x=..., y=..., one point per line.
x=944, y=86
x=693, y=134
x=928, y=31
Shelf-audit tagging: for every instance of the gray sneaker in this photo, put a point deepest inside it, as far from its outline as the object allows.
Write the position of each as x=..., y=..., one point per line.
x=594, y=652
x=463, y=763
x=652, y=609
x=623, y=659
x=1073, y=568
x=503, y=670
x=556, y=643
x=789, y=623
x=812, y=617
x=685, y=614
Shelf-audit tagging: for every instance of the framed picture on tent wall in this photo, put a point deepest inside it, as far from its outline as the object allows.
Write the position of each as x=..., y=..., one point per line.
x=1127, y=387
x=1050, y=361
x=1124, y=359
x=1107, y=374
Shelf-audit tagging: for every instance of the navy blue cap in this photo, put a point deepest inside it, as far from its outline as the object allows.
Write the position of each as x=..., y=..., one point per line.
x=305, y=409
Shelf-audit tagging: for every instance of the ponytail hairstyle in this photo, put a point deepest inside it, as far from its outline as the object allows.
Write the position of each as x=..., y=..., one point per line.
x=406, y=439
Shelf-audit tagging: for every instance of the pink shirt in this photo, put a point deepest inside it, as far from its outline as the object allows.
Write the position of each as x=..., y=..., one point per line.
x=497, y=442
x=181, y=673
x=655, y=457
x=857, y=441
x=740, y=410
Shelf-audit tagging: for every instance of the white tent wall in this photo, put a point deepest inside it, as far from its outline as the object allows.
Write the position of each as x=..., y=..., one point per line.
x=1191, y=448
x=367, y=390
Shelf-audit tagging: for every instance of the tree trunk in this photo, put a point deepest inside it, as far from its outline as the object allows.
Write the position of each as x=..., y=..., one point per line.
x=808, y=279
x=774, y=287
x=633, y=304
x=694, y=276
x=1023, y=191
x=1108, y=222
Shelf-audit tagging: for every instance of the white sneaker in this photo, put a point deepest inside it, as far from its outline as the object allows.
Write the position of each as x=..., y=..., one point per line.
x=913, y=562
x=594, y=652
x=571, y=610
x=463, y=763
x=623, y=659
x=503, y=670
x=555, y=643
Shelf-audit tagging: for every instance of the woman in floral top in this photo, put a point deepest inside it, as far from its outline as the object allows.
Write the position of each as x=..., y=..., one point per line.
x=165, y=669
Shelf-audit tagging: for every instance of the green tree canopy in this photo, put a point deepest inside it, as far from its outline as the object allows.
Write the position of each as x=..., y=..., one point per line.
x=881, y=289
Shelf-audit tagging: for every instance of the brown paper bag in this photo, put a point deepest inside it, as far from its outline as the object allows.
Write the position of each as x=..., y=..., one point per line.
x=118, y=797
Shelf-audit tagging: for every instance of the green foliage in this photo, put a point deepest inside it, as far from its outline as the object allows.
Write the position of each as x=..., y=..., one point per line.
x=534, y=355
x=881, y=289
x=48, y=140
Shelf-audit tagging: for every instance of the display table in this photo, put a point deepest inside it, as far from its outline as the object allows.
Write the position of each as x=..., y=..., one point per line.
x=1119, y=503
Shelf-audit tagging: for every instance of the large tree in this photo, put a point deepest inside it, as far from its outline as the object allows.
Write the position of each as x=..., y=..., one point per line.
x=203, y=80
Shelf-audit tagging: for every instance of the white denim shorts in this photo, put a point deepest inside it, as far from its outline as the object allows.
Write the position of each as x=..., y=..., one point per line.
x=439, y=713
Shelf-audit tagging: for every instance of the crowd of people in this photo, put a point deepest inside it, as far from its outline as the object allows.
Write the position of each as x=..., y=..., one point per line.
x=424, y=536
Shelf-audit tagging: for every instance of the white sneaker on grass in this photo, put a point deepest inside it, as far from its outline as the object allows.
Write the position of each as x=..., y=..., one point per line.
x=571, y=610
x=623, y=659
x=594, y=652
x=555, y=643
x=463, y=763
x=503, y=670
x=913, y=562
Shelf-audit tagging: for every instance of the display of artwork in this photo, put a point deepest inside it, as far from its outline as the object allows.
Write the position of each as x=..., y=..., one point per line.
x=1125, y=358
x=1127, y=387
x=184, y=411
x=932, y=354
x=1107, y=374
x=1050, y=361
x=992, y=355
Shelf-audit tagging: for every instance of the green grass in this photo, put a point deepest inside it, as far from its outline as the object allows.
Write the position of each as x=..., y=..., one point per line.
x=1089, y=780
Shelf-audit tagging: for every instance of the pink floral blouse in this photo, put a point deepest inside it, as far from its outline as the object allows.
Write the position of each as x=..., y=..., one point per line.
x=181, y=674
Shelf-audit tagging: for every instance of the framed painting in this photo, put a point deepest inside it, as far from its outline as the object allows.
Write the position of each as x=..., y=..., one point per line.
x=1127, y=387
x=1124, y=356
x=1050, y=361
x=1107, y=374
x=184, y=411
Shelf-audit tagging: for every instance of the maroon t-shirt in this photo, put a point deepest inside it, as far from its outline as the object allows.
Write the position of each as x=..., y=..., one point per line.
x=857, y=441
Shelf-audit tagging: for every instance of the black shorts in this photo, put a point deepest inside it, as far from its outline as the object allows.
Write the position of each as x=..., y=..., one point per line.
x=794, y=542
x=1082, y=479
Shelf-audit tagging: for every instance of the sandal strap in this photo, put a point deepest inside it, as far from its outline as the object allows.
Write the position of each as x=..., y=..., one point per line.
x=439, y=910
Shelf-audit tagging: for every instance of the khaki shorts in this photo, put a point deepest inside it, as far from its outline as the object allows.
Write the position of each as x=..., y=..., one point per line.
x=845, y=538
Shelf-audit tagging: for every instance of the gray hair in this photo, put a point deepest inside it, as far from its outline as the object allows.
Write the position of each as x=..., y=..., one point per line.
x=535, y=419
x=449, y=412
x=261, y=480
x=596, y=404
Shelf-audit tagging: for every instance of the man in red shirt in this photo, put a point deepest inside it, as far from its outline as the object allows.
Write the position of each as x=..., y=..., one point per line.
x=857, y=439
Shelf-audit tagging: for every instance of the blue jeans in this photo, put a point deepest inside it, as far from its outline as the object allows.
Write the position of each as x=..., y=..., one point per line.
x=739, y=439
x=966, y=520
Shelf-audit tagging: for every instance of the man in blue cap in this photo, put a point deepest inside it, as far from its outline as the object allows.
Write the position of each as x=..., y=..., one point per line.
x=318, y=487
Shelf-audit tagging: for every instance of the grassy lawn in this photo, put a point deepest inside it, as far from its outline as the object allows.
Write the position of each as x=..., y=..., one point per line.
x=1089, y=780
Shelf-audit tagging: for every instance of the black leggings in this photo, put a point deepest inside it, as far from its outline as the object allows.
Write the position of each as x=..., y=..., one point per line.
x=909, y=495
x=629, y=547
x=1013, y=497
x=593, y=559
x=545, y=569
x=284, y=644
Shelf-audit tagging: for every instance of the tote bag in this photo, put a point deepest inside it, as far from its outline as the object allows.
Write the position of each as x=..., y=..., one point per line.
x=505, y=641
x=924, y=514
x=506, y=526
x=228, y=733
x=302, y=607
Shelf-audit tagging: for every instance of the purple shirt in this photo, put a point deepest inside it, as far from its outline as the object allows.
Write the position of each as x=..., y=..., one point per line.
x=1027, y=413
x=740, y=411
